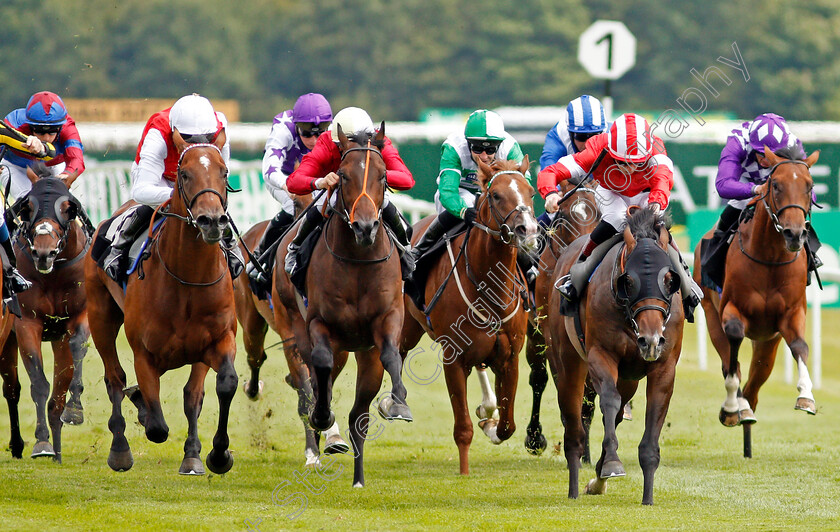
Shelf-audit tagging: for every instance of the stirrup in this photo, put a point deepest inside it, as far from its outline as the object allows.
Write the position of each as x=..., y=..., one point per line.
x=291, y=258
x=566, y=288
x=17, y=282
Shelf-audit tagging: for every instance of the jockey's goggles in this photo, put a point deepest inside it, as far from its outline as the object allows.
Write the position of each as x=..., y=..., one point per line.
x=314, y=131
x=583, y=137
x=479, y=149
x=45, y=129
x=202, y=138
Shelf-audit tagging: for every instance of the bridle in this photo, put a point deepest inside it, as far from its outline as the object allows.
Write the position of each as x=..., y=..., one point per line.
x=189, y=202
x=505, y=232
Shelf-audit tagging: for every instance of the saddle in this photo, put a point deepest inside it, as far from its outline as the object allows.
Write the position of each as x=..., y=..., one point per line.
x=416, y=286
x=138, y=251
x=303, y=257
x=713, y=252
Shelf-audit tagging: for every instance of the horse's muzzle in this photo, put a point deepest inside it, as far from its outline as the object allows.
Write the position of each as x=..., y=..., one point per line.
x=212, y=227
x=44, y=260
x=365, y=231
x=527, y=234
x=650, y=346
x=794, y=238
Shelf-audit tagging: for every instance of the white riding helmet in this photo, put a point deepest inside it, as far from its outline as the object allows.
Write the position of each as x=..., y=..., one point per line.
x=193, y=115
x=352, y=121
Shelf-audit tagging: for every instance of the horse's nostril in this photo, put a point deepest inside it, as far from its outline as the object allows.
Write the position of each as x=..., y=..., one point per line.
x=203, y=220
x=224, y=220
x=661, y=342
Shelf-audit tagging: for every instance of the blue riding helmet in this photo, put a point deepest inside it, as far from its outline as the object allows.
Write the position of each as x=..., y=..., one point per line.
x=46, y=109
x=586, y=115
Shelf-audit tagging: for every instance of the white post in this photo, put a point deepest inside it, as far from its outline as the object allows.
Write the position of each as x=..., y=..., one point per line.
x=702, y=339
x=816, y=337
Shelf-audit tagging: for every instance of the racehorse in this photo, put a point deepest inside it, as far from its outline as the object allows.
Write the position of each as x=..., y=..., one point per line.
x=354, y=291
x=181, y=312
x=9, y=372
x=481, y=321
x=50, y=246
x=256, y=316
x=633, y=326
x=763, y=293
x=578, y=215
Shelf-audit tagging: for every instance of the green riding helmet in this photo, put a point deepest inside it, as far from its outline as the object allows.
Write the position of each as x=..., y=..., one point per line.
x=484, y=125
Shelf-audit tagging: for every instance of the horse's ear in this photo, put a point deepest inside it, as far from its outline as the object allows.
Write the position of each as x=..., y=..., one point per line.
x=484, y=173
x=772, y=158
x=664, y=237
x=178, y=141
x=380, y=135
x=526, y=164
x=343, y=141
x=221, y=138
x=629, y=239
x=812, y=159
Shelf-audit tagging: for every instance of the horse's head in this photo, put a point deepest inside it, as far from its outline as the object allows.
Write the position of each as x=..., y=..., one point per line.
x=506, y=206
x=646, y=286
x=202, y=186
x=362, y=186
x=788, y=193
x=46, y=214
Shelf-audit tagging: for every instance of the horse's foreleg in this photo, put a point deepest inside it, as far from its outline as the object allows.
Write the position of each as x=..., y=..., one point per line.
x=11, y=391
x=368, y=380
x=254, y=329
x=587, y=413
x=148, y=378
x=29, y=339
x=535, y=442
x=763, y=360
x=604, y=375
x=488, y=409
x=73, y=413
x=732, y=412
x=793, y=333
x=570, y=377
x=322, y=417
x=660, y=387
x=62, y=375
x=219, y=460
x=507, y=377
x=456, y=384
x=193, y=401
x=385, y=335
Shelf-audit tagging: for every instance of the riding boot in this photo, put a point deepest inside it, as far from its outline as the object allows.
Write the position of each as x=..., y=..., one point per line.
x=392, y=218
x=312, y=220
x=273, y=232
x=527, y=265
x=691, y=292
x=714, y=250
x=13, y=281
x=442, y=223
x=813, y=244
x=235, y=260
x=114, y=263
x=601, y=240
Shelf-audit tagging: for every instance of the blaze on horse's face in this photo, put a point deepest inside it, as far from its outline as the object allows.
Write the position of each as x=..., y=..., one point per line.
x=509, y=207
x=362, y=185
x=791, y=185
x=46, y=218
x=646, y=288
x=202, y=185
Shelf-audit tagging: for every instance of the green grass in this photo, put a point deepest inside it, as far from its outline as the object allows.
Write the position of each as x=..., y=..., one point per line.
x=703, y=482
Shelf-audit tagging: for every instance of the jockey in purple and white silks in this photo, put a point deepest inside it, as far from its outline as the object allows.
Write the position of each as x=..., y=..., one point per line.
x=293, y=135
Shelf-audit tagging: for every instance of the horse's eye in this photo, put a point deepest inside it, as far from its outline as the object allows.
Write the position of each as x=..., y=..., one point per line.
x=496, y=196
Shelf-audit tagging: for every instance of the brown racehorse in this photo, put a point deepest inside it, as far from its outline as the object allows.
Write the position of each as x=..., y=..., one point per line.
x=50, y=247
x=9, y=372
x=481, y=320
x=354, y=291
x=181, y=312
x=578, y=215
x=256, y=316
x=763, y=296
x=633, y=329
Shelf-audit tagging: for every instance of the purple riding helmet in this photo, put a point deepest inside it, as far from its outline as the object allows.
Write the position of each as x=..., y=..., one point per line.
x=769, y=130
x=313, y=108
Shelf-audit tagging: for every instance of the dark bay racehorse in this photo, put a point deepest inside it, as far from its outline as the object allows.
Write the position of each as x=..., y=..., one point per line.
x=480, y=318
x=354, y=291
x=50, y=246
x=578, y=215
x=9, y=373
x=256, y=316
x=181, y=312
x=763, y=296
x=633, y=329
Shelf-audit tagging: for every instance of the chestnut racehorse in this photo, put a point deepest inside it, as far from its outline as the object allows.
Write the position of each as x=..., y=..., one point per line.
x=480, y=318
x=763, y=295
x=354, y=291
x=633, y=324
x=181, y=312
x=50, y=246
x=9, y=372
x=256, y=316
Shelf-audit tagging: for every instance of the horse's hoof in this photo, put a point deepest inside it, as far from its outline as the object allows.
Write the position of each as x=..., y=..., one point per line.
x=729, y=419
x=321, y=425
x=253, y=395
x=746, y=417
x=535, y=443
x=490, y=426
x=191, y=466
x=612, y=469
x=312, y=459
x=627, y=415
x=482, y=413
x=806, y=404
x=219, y=468
x=120, y=460
x=43, y=448
x=335, y=444
x=392, y=410
x=596, y=486
x=73, y=414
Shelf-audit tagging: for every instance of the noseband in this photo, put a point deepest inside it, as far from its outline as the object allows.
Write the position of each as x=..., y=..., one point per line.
x=189, y=202
x=505, y=232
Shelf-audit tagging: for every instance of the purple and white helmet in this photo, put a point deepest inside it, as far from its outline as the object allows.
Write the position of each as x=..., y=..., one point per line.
x=769, y=130
x=312, y=108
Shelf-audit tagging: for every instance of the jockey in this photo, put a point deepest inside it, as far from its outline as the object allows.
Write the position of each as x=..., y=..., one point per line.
x=293, y=135
x=155, y=167
x=318, y=168
x=584, y=118
x=631, y=168
x=484, y=138
x=743, y=169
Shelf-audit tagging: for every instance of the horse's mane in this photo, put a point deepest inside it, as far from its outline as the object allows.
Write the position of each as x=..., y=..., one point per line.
x=794, y=153
x=643, y=223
